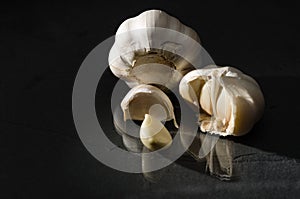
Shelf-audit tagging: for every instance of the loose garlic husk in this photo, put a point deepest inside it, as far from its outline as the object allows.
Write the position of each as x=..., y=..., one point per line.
x=153, y=134
x=230, y=102
x=144, y=99
x=147, y=48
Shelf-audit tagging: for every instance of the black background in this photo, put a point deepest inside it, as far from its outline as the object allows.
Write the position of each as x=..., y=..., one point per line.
x=42, y=46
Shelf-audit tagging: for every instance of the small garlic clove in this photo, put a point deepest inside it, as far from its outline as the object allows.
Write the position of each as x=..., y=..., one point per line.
x=144, y=99
x=153, y=134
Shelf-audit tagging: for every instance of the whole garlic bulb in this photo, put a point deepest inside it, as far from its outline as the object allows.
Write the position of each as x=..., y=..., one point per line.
x=144, y=99
x=230, y=102
x=147, y=48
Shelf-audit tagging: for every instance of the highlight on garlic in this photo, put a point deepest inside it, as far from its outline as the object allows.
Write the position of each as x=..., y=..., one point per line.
x=153, y=48
x=144, y=99
x=154, y=134
x=230, y=102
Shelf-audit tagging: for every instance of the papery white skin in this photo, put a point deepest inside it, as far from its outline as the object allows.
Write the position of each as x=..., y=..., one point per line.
x=153, y=38
x=230, y=102
x=139, y=100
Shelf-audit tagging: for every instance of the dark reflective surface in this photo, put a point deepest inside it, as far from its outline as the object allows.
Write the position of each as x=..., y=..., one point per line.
x=42, y=46
x=265, y=158
x=227, y=161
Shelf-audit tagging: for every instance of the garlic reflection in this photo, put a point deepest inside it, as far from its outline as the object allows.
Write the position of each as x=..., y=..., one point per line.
x=219, y=158
x=128, y=130
x=148, y=164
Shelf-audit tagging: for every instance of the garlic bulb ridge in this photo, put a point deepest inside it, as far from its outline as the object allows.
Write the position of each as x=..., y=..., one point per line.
x=147, y=49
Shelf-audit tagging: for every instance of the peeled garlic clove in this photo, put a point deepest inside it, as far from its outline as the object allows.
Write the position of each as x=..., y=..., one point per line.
x=229, y=101
x=144, y=99
x=147, y=48
x=153, y=134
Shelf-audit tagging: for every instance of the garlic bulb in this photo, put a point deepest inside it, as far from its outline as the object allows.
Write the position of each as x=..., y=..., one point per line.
x=153, y=134
x=147, y=49
x=230, y=102
x=144, y=99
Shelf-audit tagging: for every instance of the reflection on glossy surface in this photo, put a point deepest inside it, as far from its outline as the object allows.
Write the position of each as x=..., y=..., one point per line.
x=219, y=160
x=206, y=149
x=229, y=160
x=154, y=176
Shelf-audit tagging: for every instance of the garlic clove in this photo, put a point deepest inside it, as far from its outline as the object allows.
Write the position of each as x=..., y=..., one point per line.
x=191, y=84
x=230, y=102
x=190, y=90
x=153, y=134
x=144, y=99
x=248, y=104
x=205, y=97
x=153, y=41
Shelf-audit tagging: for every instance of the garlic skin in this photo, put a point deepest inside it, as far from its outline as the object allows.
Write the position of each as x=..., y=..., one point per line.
x=153, y=134
x=230, y=102
x=146, y=50
x=143, y=98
